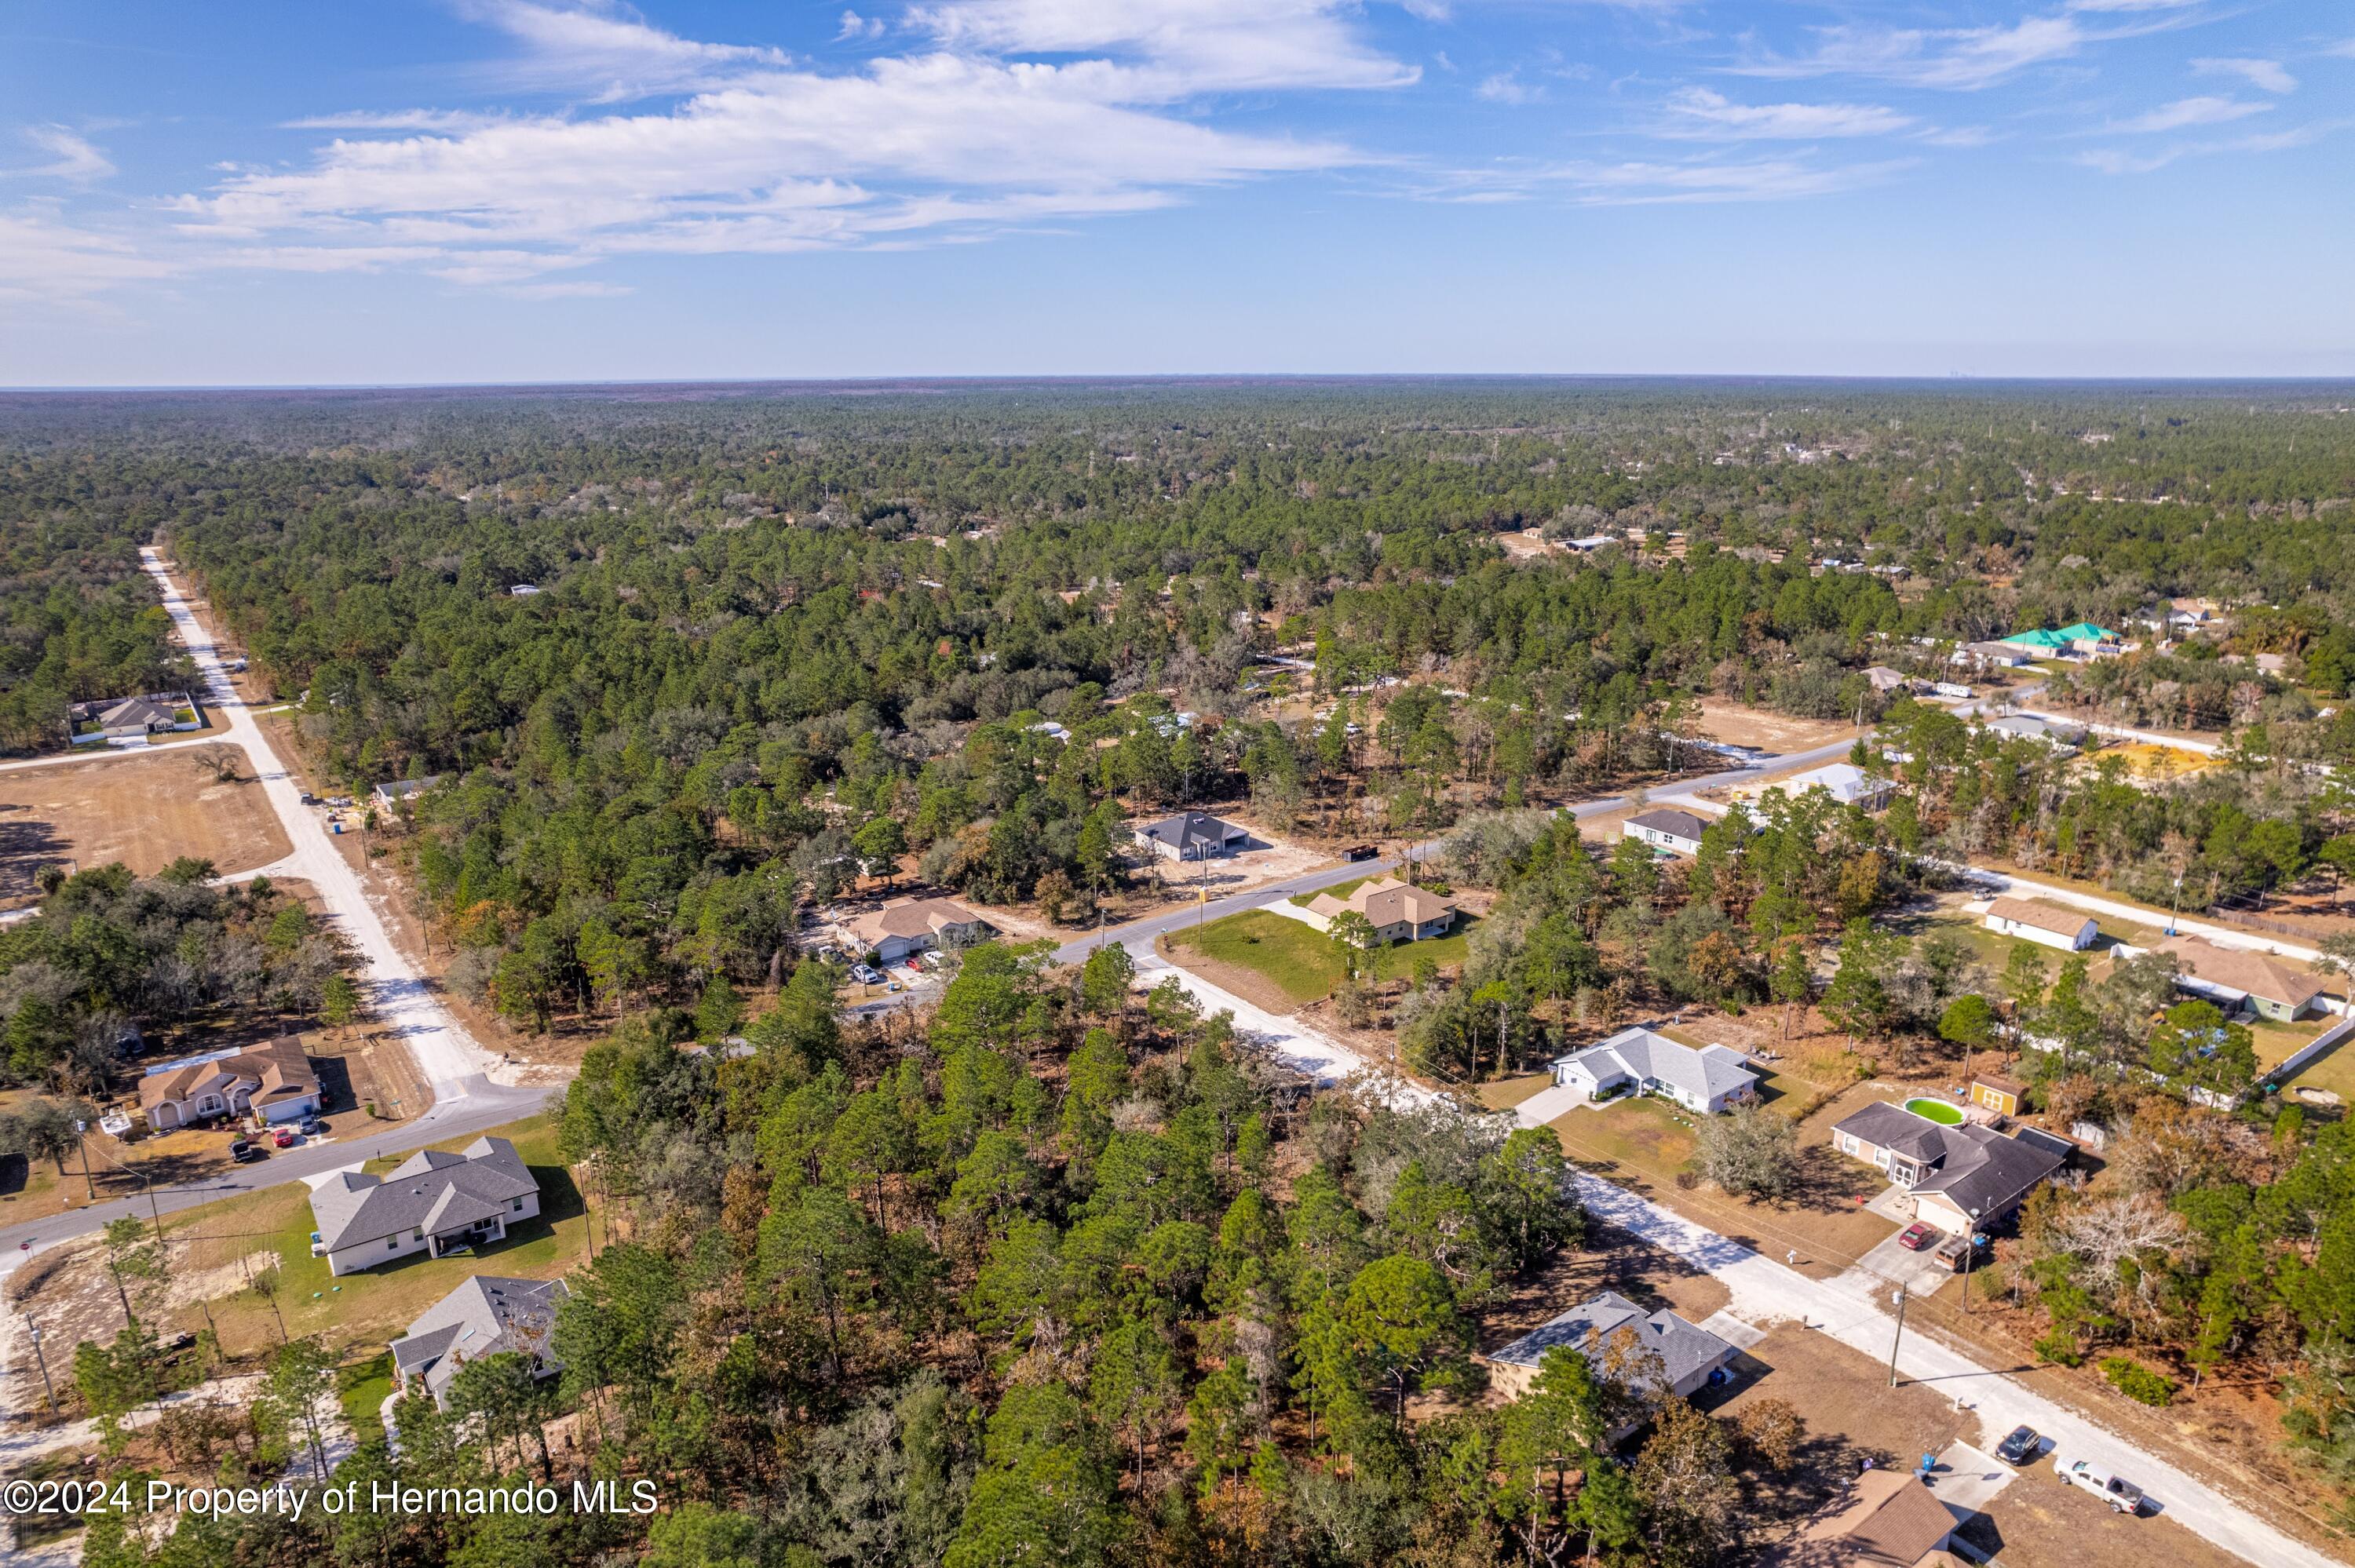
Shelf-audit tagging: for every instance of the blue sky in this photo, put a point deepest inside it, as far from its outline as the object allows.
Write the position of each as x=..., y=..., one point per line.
x=518, y=190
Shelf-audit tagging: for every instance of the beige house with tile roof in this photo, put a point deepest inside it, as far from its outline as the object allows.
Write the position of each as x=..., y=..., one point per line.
x=275, y=1081
x=1398, y=911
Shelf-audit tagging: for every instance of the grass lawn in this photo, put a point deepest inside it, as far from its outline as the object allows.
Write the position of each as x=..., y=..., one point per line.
x=370, y=1307
x=363, y=1386
x=1301, y=962
x=1507, y=1093
x=2335, y=1071
x=1646, y=1143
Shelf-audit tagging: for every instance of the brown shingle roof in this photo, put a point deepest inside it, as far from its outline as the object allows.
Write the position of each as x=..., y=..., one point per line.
x=1892, y=1521
x=2236, y=968
x=910, y=917
x=2043, y=917
x=278, y=1071
x=1386, y=901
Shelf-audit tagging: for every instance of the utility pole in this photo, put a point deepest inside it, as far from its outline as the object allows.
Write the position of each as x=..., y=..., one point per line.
x=81, y=1140
x=34, y=1330
x=1899, y=1338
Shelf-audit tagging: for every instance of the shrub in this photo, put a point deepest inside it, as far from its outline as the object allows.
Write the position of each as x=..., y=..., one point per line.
x=2061, y=1347
x=2138, y=1381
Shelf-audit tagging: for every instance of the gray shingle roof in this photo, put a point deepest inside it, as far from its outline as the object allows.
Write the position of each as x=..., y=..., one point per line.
x=1683, y=1348
x=433, y=1189
x=1682, y=825
x=1710, y=1072
x=487, y=1314
x=1975, y=1168
x=1187, y=828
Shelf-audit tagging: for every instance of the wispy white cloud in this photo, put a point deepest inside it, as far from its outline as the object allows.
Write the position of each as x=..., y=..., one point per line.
x=1188, y=46
x=978, y=133
x=2118, y=160
x=1654, y=181
x=72, y=157
x=1699, y=111
x=1507, y=87
x=1958, y=59
x=48, y=263
x=2266, y=75
x=607, y=51
x=396, y=120
x=1957, y=135
x=858, y=28
x=2186, y=113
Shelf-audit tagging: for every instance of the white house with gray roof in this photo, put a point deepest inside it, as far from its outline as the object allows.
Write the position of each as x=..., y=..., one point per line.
x=1706, y=1080
x=435, y=1203
x=1653, y=1351
x=487, y=1315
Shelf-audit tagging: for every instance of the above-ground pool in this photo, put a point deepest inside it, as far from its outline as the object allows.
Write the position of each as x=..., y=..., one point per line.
x=1938, y=1111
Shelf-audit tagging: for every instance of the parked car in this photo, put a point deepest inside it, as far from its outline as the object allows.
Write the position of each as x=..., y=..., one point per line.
x=1954, y=1250
x=1361, y=852
x=1917, y=1237
x=313, y=1126
x=915, y=967
x=931, y=960
x=864, y=976
x=284, y=1137
x=246, y=1153
x=2021, y=1447
x=2123, y=1496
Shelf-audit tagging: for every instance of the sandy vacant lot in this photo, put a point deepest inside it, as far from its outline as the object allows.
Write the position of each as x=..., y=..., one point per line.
x=1738, y=725
x=141, y=811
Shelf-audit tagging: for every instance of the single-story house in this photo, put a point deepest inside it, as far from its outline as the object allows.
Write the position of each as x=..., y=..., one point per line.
x=1890, y=1519
x=1706, y=1080
x=115, y=720
x=1398, y=911
x=434, y=1201
x=2038, y=644
x=1993, y=1091
x=1990, y=655
x=1961, y=1177
x=2085, y=637
x=1191, y=835
x=2233, y=977
x=1845, y=782
x=2050, y=732
x=274, y=1081
x=393, y=791
x=1677, y=832
x=1688, y=1354
x=2034, y=921
x=1885, y=678
x=487, y=1315
x=908, y=925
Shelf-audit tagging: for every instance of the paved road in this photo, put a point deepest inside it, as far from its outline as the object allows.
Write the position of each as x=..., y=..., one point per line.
x=465, y=1099
x=1143, y=931
x=485, y=1105
x=1853, y=1308
x=446, y=1056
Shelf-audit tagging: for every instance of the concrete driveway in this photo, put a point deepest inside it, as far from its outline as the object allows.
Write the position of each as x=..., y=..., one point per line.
x=1966, y=1479
x=1915, y=1270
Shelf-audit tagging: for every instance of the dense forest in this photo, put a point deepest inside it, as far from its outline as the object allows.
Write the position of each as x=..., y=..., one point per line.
x=769, y=621
x=1059, y=1271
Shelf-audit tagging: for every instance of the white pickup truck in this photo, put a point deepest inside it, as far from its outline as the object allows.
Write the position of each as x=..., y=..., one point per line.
x=2123, y=1496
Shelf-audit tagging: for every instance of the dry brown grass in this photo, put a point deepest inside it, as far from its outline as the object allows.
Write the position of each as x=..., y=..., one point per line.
x=145, y=811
